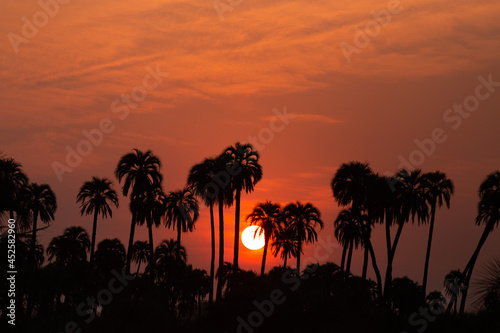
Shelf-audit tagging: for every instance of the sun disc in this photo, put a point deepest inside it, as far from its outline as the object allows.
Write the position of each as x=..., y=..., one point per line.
x=252, y=241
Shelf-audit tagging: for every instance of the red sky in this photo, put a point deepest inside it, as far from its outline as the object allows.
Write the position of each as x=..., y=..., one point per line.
x=226, y=77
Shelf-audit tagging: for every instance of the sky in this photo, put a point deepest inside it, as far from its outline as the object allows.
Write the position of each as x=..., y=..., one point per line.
x=392, y=83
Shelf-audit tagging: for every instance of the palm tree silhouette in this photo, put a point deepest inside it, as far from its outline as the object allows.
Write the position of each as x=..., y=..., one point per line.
x=150, y=208
x=140, y=253
x=349, y=232
x=95, y=197
x=489, y=215
x=201, y=181
x=141, y=173
x=411, y=200
x=224, y=197
x=439, y=189
x=266, y=215
x=181, y=211
x=244, y=161
x=110, y=255
x=71, y=246
x=487, y=288
x=452, y=287
x=42, y=202
x=303, y=219
x=12, y=181
x=285, y=244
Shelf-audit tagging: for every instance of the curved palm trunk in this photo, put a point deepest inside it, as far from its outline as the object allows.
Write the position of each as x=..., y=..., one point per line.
x=221, y=247
x=94, y=231
x=470, y=265
x=151, y=254
x=344, y=253
x=375, y=268
x=390, y=259
x=284, y=263
x=212, y=259
x=236, y=230
x=138, y=268
x=349, y=258
x=428, y=253
x=263, y=266
x=365, y=263
x=130, y=243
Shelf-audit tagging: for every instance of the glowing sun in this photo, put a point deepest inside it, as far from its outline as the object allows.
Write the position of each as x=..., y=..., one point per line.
x=252, y=241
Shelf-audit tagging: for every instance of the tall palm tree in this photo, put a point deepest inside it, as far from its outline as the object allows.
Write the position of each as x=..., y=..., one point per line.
x=439, y=189
x=303, y=219
x=71, y=246
x=266, y=215
x=150, y=208
x=355, y=184
x=224, y=198
x=182, y=211
x=349, y=232
x=410, y=199
x=248, y=172
x=201, y=181
x=95, y=197
x=141, y=173
x=42, y=202
x=489, y=215
x=285, y=244
x=140, y=253
x=12, y=181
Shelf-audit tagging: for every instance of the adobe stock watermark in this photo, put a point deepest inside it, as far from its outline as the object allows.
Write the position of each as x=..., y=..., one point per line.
x=371, y=29
x=223, y=6
x=104, y=297
x=120, y=106
x=30, y=28
x=265, y=308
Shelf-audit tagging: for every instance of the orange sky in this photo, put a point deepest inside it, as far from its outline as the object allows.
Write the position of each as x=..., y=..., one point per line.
x=225, y=77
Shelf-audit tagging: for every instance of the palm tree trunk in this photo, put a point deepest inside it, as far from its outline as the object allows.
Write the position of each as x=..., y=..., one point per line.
x=470, y=266
x=365, y=264
x=428, y=253
x=94, y=231
x=344, y=253
x=151, y=254
x=263, y=266
x=390, y=259
x=212, y=259
x=221, y=247
x=138, y=268
x=179, y=232
x=349, y=258
x=284, y=263
x=33, y=237
x=299, y=249
x=375, y=268
x=236, y=230
x=130, y=243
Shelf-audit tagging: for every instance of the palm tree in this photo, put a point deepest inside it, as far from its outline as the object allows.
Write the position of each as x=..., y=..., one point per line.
x=110, y=254
x=452, y=287
x=410, y=198
x=303, y=220
x=489, y=215
x=170, y=257
x=95, y=197
x=42, y=202
x=285, y=243
x=244, y=161
x=201, y=181
x=12, y=181
x=140, y=253
x=224, y=197
x=487, y=287
x=71, y=246
x=181, y=211
x=150, y=208
x=267, y=216
x=439, y=189
x=349, y=232
x=141, y=172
